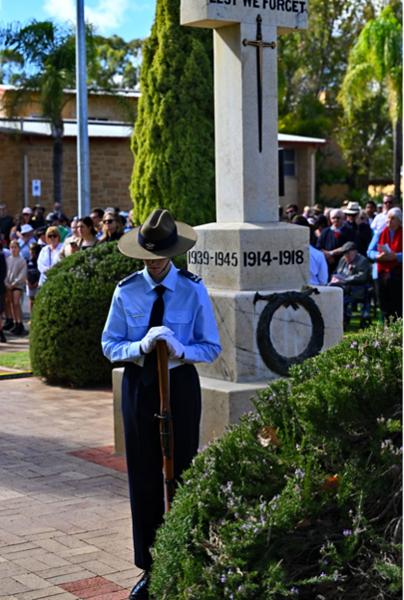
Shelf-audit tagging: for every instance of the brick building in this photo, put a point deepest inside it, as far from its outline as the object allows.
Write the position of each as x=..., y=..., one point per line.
x=26, y=150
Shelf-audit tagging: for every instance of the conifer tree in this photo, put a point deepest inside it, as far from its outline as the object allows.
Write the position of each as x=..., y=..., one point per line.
x=173, y=141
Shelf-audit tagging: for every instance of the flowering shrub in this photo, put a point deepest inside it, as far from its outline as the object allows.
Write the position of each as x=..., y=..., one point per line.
x=302, y=499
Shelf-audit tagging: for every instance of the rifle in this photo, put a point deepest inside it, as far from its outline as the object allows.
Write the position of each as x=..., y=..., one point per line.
x=166, y=424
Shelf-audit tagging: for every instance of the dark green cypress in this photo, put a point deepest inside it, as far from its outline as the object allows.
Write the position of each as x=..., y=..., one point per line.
x=173, y=141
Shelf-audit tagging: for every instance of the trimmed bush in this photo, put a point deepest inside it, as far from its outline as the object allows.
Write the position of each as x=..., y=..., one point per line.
x=70, y=312
x=303, y=498
x=69, y=315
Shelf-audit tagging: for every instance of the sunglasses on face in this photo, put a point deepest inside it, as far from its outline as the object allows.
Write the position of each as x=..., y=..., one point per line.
x=52, y=236
x=108, y=221
x=388, y=202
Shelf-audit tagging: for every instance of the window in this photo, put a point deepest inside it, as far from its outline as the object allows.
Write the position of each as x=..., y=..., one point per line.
x=289, y=162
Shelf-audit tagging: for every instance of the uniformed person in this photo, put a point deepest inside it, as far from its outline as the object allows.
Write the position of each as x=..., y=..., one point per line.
x=159, y=302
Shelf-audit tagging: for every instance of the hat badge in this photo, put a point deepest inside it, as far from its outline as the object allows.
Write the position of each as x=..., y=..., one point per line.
x=149, y=246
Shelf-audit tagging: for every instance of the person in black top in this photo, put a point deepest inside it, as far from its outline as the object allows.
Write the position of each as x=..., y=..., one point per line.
x=6, y=223
x=33, y=273
x=3, y=273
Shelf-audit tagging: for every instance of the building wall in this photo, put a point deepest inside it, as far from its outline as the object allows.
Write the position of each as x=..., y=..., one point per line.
x=111, y=165
x=298, y=187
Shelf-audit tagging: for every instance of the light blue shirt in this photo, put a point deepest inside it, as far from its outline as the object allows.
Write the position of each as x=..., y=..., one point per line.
x=373, y=251
x=318, y=267
x=187, y=312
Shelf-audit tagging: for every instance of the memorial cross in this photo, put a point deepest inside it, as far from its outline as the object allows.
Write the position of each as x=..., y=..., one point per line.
x=259, y=44
x=246, y=172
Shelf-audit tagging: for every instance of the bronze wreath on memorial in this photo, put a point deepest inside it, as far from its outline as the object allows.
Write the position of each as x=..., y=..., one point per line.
x=273, y=360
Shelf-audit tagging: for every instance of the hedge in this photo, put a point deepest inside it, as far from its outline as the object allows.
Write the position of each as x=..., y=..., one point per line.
x=70, y=312
x=302, y=499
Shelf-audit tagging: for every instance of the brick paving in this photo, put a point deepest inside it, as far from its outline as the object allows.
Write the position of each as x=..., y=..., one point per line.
x=65, y=527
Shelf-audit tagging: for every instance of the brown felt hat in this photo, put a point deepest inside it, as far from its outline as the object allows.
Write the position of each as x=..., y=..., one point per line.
x=159, y=237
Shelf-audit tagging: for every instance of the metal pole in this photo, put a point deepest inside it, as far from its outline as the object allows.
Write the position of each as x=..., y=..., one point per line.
x=83, y=154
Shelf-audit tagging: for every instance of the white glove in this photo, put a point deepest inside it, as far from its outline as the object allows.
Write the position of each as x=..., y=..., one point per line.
x=148, y=343
x=174, y=348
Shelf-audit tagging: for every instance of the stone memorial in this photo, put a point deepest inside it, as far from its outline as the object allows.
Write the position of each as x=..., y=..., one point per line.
x=253, y=265
x=247, y=256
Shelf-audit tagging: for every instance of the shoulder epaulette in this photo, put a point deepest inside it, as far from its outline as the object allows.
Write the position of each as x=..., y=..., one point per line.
x=190, y=275
x=128, y=278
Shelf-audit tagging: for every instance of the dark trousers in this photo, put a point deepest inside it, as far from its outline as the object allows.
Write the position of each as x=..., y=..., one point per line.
x=143, y=450
x=391, y=297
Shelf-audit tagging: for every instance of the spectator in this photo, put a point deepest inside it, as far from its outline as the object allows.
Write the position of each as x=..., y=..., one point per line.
x=96, y=216
x=33, y=274
x=362, y=231
x=6, y=223
x=71, y=243
x=15, y=282
x=41, y=235
x=16, y=228
x=317, y=210
x=333, y=238
x=379, y=209
x=386, y=249
x=64, y=226
x=27, y=237
x=291, y=211
x=57, y=208
x=3, y=273
x=352, y=272
x=318, y=264
x=38, y=220
x=49, y=255
x=370, y=209
x=320, y=224
x=112, y=227
x=129, y=223
x=87, y=233
x=380, y=221
x=308, y=212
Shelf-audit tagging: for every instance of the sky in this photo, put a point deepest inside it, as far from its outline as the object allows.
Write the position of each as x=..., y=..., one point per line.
x=127, y=18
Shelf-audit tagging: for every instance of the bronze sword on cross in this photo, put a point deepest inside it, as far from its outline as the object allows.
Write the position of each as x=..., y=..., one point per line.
x=259, y=44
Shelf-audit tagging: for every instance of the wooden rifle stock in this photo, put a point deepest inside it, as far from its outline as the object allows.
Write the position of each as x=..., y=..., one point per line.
x=166, y=423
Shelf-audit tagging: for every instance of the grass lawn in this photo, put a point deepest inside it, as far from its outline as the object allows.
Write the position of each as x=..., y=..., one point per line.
x=16, y=360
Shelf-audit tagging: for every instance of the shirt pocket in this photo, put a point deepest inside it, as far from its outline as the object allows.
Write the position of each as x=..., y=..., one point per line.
x=178, y=317
x=138, y=321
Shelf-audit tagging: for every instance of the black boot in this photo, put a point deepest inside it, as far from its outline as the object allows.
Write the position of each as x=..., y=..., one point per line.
x=2, y=337
x=21, y=331
x=8, y=324
x=15, y=328
x=141, y=589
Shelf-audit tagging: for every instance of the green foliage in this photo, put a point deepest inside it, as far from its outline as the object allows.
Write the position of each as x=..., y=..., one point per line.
x=118, y=62
x=173, y=138
x=69, y=315
x=303, y=498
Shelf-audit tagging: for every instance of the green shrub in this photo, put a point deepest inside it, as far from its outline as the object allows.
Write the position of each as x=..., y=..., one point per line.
x=70, y=312
x=69, y=315
x=303, y=498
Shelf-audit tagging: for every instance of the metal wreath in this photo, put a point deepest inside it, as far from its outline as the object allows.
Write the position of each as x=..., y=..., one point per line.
x=273, y=360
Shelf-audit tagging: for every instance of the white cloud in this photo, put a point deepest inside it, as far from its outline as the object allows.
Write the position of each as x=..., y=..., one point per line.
x=106, y=16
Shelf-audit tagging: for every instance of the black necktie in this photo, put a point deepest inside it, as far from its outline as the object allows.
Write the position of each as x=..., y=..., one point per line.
x=149, y=371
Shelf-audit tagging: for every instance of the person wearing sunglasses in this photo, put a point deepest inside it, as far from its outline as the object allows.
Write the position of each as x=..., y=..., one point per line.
x=49, y=254
x=111, y=227
x=380, y=221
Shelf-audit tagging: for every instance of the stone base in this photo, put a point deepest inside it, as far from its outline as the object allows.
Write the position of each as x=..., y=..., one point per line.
x=223, y=403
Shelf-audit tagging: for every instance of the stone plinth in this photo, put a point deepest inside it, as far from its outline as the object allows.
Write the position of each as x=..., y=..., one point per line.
x=237, y=319
x=251, y=256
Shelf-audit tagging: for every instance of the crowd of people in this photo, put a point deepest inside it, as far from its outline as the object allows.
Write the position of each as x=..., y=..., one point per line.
x=359, y=250
x=32, y=242
x=354, y=248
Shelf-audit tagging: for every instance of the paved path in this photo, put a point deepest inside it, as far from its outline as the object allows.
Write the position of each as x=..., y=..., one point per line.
x=65, y=528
